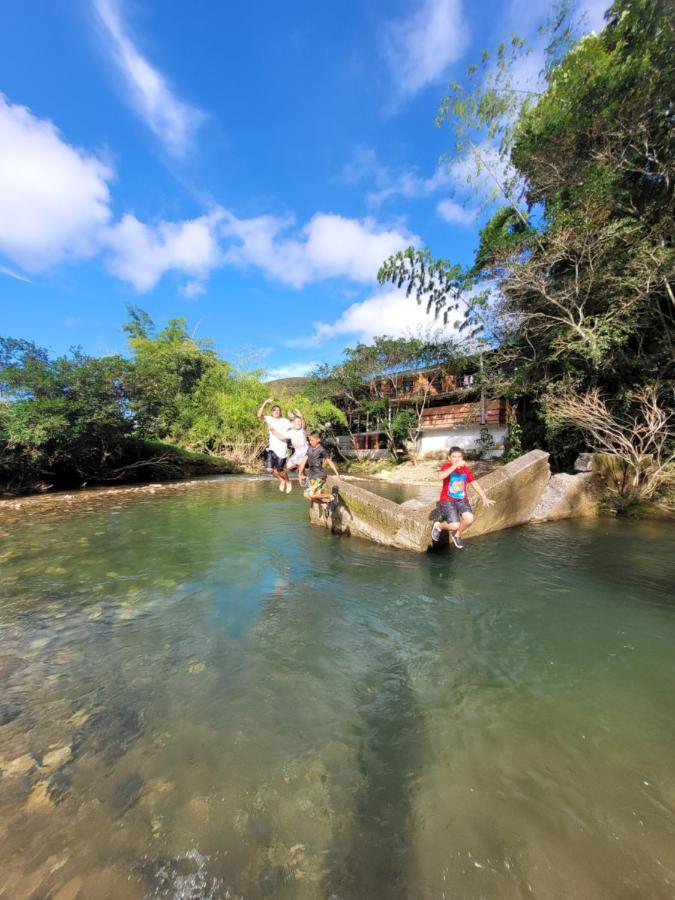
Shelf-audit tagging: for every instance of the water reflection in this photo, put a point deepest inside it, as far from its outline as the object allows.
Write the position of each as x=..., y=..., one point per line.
x=202, y=695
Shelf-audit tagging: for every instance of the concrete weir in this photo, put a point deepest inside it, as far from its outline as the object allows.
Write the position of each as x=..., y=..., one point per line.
x=519, y=489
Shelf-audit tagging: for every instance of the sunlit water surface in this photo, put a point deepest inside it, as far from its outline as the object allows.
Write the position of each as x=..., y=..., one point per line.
x=204, y=697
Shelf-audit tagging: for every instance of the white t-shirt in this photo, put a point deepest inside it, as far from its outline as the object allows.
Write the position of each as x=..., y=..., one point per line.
x=298, y=438
x=283, y=426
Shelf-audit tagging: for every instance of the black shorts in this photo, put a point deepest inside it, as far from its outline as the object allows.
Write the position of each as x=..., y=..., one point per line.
x=452, y=510
x=272, y=461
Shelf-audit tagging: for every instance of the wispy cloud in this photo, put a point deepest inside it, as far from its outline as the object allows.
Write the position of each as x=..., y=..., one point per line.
x=172, y=120
x=419, y=47
x=10, y=273
x=291, y=370
x=455, y=213
x=389, y=182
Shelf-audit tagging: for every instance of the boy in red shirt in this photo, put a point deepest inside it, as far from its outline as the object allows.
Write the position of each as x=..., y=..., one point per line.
x=456, y=514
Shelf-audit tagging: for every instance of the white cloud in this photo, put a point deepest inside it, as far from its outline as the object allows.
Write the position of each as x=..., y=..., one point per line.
x=390, y=313
x=328, y=246
x=419, y=47
x=291, y=370
x=55, y=205
x=141, y=254
x=455, y=213
x=193, y=289
x=170, y=119
x=54, y=198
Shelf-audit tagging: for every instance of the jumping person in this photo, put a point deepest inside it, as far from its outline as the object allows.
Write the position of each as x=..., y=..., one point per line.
x=316, y=475
x=277, y=446
x=456, y=514
x=298, y=438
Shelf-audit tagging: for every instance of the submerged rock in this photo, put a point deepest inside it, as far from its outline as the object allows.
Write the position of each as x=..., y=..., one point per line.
x=22, y=765
x=39, y=800
x=8, y=712
x=9, y=665
x=57, y=758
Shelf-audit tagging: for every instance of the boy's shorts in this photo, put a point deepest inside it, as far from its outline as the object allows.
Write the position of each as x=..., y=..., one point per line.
x=314, y=486
x=272, y=461
x=452, y=510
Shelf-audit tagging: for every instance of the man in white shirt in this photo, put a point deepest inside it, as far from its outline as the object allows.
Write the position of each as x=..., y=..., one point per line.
x=277, y=447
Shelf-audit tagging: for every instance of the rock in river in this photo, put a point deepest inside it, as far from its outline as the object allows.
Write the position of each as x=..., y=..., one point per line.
x=8, y=712
x=56, y=758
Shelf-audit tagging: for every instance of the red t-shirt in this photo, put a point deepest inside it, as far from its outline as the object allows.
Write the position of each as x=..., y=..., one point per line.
x=454, y=486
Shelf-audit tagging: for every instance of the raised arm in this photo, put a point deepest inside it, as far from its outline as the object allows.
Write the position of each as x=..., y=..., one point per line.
x=301, y=417
x=261, y=411
x=442, y=474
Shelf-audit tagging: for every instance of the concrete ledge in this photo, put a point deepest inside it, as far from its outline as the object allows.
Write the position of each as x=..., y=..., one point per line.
x=516, y=487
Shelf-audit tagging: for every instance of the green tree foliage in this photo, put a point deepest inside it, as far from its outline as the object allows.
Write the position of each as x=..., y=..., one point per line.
x=573, y=279
x=168, y=365
x=78, y=419
x=67, y=415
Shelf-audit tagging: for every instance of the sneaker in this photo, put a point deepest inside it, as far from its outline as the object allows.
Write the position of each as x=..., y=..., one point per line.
x=457, y=541
x=435, y=531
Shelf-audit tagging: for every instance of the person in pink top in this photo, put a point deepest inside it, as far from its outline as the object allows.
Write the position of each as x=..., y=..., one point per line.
x=456, y=512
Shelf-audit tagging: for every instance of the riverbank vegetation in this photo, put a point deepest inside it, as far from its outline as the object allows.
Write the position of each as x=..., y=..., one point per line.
x=572, y=285
x=172, y=408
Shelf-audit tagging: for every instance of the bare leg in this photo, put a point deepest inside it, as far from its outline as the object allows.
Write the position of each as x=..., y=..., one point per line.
x=467, y=519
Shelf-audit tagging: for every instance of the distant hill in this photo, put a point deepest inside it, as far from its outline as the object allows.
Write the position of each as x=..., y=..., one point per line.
x=287, y=385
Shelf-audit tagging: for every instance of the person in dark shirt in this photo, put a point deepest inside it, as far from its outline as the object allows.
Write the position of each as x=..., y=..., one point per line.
x=315, y=477
x=456, y=513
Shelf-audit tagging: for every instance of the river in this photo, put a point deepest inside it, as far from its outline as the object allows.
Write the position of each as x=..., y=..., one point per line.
x=204, y=697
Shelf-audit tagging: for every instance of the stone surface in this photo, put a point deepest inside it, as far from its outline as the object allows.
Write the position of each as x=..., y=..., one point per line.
x=56, y=759
x=584, y=462
x=8, y=712
x=39, y=800
x=569, y=497
x=412, y=504
x=19, y=766
x=516, y=487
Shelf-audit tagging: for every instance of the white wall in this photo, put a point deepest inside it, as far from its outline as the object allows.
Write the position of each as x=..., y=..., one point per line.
x=440, y=440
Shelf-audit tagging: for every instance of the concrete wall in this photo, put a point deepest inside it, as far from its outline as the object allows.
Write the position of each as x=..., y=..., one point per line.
x=516, y=487
x=440, y=440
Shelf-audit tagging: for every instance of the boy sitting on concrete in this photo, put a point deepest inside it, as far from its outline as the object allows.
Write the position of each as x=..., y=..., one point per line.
x=456, y=514
x=316, y=475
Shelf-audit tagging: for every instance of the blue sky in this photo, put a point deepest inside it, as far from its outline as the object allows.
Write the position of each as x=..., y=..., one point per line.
x=246, y=166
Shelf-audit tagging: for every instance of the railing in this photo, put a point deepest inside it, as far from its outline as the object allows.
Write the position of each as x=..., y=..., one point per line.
x=458, y=415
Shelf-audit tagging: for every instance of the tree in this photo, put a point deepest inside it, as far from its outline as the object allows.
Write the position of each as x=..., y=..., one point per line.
x=573, y=278
x=63, y=418
x=640, y=439
x=167, y=367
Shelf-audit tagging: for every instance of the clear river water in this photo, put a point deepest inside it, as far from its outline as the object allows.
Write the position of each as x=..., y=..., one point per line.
x=204, y=697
